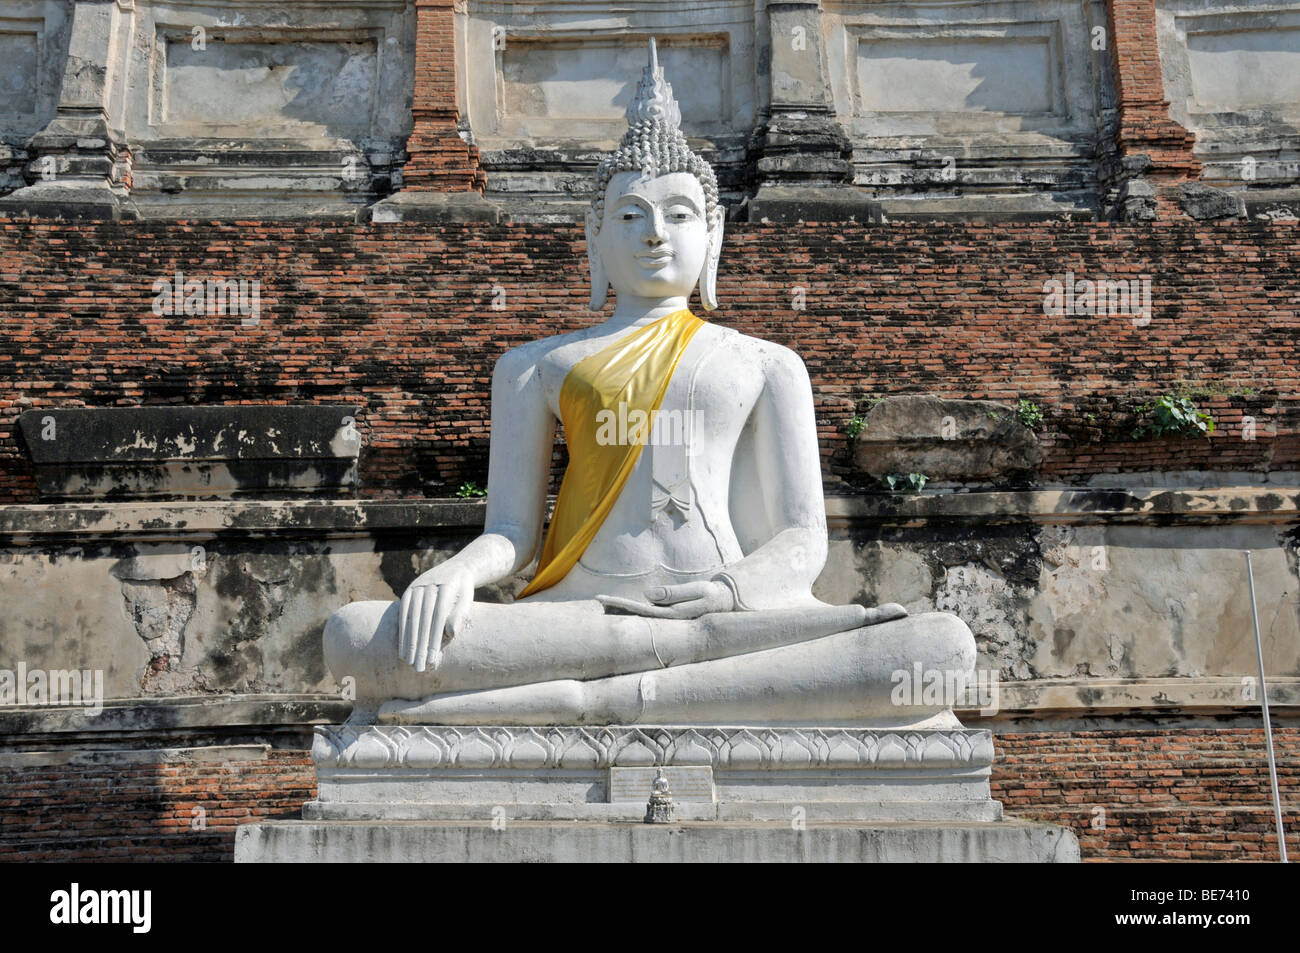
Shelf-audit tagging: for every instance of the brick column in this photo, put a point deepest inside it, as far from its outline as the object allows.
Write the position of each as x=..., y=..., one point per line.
x=1153, y=152
x=440, y=160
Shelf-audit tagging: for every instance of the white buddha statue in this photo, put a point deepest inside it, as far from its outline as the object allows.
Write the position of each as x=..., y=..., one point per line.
x=674, y=584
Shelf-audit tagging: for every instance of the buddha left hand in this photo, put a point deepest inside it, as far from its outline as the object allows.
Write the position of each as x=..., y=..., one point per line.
x=436, y=602
x=689, y=600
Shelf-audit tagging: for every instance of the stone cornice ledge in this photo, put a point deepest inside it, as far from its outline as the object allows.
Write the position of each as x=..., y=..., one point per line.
x=1267, y=503
x=1221, y=694
x=189, y=518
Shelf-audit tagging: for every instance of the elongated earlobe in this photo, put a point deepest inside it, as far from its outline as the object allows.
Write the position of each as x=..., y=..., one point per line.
x=599, y=280
x=709, y=274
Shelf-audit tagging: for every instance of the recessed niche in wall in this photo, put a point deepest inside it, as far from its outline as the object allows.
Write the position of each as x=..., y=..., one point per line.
x=545, y=85
x=1232, y=77
x=237, y=85
x=19, y=67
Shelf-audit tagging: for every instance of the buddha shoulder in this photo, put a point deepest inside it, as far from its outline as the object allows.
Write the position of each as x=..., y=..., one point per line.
x=777, y=364
x=532, y=359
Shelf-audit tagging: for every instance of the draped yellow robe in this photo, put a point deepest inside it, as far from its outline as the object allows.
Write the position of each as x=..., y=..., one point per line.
x=633, y=372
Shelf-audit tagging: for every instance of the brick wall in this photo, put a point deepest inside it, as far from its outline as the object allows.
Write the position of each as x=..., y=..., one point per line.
x=401, y=319
x=146, y=811
x=1167, y=794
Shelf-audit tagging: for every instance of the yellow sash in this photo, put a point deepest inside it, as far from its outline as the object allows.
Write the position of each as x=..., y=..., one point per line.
x=632, y=372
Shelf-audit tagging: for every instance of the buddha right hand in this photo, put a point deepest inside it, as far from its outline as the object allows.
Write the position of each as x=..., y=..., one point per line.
x=436, y=602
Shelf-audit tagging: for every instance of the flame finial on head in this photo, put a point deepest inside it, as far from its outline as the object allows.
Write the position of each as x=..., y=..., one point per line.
x=654, y=96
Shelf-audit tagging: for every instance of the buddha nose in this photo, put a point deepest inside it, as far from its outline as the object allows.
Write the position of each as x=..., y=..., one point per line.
x=657, y=234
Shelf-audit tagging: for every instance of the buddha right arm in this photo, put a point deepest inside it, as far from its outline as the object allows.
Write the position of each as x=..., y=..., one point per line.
x=519, y=463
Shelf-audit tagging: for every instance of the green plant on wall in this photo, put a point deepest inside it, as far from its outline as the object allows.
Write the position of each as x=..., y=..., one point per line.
x=1174, y=417
x=906, y=482
x=1030, y=414
x=858, y=423
x=470, y=490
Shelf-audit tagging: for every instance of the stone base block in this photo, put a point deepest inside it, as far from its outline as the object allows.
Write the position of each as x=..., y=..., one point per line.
x=427, y=793
x=1275, y=204
x=126, y=452
x=992, y=208
x=810, y=203
x=73, y=201
x=435, y=207
x=491, y=841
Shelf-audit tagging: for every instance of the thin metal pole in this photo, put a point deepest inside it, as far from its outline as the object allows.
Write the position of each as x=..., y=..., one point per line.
x=1268, y=725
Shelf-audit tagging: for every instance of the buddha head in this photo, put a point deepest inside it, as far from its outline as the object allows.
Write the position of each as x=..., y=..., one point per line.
x=654, y=229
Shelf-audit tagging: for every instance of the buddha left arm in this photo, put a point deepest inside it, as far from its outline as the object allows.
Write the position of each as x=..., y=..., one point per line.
x=785, y=478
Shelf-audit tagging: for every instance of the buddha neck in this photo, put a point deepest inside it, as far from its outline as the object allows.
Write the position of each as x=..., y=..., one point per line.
x=632, y=311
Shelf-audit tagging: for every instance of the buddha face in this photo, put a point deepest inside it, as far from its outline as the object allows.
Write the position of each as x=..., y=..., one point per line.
x=654, y=241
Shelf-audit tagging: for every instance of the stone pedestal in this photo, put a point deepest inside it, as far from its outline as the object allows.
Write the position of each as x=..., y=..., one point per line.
x=573, y=793
x=636, y=842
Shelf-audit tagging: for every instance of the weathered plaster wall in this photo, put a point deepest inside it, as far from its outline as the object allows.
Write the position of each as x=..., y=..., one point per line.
x=956, y=110
x=187, y=108
x=34, y=37
x=1080, y=600
x=209, y=598
x=1087, y=589
x=301, y=105
x=954, y=99
x=1232, y=76
x=545, y=87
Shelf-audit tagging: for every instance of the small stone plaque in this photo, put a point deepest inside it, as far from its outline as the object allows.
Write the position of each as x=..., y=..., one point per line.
x=685, y=783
